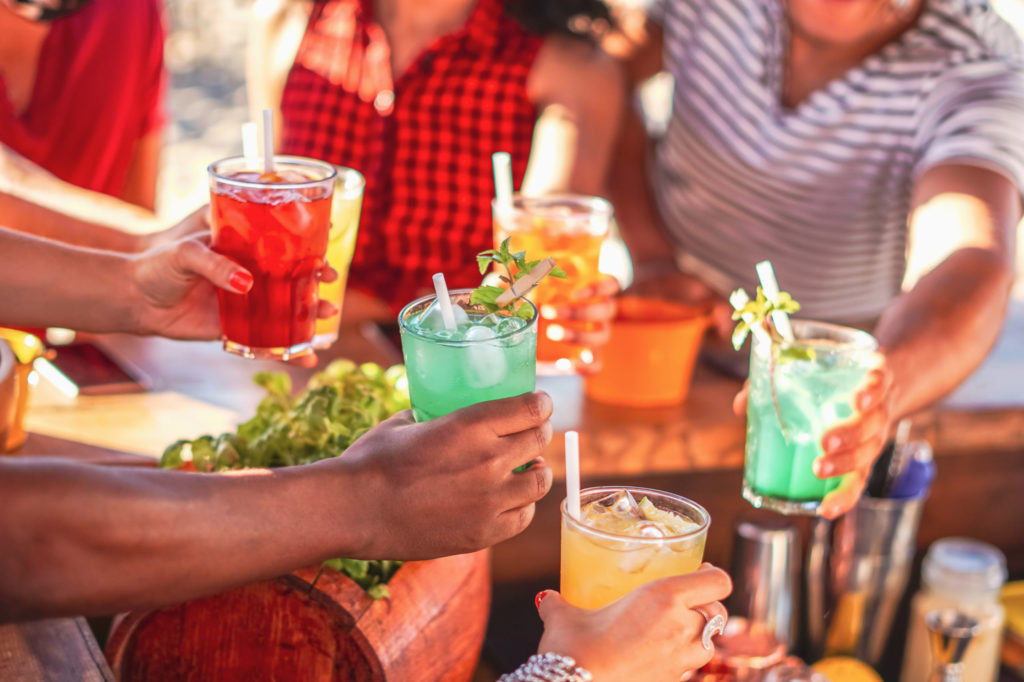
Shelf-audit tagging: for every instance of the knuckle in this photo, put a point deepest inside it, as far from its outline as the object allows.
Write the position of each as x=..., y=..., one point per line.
x=543, y=483
x=723, y=582
x=540, y=438
x=533, y=406
x=704, y=656
x=524, y=517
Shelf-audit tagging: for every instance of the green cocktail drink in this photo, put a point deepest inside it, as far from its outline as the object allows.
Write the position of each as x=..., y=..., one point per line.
x=815, y=379
x=486, y=357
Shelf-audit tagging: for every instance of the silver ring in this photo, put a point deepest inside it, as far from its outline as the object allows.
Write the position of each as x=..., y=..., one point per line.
x=712, y=626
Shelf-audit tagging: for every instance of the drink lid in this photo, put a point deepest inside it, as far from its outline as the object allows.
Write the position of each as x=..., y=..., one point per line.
x=962, y=565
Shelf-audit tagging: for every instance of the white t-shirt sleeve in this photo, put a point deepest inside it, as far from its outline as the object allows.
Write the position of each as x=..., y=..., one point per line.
x=975, y=116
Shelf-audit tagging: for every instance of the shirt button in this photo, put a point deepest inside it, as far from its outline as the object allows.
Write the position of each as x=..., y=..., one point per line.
x=384, y=101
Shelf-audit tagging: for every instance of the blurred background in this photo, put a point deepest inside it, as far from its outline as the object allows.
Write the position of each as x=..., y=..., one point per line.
x=205, y=55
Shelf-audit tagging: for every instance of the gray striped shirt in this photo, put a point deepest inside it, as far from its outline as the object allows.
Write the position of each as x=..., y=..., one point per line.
x=823, y=190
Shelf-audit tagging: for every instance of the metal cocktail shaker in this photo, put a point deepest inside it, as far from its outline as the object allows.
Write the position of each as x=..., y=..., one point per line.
x=858, y=569
x=766, y=573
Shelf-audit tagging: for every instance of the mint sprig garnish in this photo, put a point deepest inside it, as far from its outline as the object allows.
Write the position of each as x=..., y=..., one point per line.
x=516, y=267
x=758, y=312
x=753, y=316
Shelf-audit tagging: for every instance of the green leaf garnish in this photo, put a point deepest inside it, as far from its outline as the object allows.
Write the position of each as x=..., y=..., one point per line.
x=511, y=268
x=758, y=312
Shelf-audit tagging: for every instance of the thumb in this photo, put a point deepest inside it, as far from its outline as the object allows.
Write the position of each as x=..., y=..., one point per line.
x=739, y=402
x=551, y=605
x=195, y=258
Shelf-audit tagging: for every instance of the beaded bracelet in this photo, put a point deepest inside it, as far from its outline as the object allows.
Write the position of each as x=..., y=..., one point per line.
x=548, y=668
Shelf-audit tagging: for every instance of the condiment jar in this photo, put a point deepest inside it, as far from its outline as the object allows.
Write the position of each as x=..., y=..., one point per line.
x=965, y=575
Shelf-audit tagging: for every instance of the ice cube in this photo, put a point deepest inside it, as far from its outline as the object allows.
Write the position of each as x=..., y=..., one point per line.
x=636, y=558
x=492, y=320
x=650, y=529
x=485, y=359
x=431, y=321
x=479, y=332
x=509, y=325
x=621, y=503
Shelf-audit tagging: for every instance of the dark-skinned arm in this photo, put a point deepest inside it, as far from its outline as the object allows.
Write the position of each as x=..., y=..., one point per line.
x=88, y=540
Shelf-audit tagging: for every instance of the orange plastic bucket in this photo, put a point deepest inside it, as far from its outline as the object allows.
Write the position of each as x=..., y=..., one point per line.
x=649, y=360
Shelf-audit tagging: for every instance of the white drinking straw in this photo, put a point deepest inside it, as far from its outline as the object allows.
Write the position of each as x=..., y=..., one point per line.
x=770, y=286
x=268, y=141
x=444, y=301
x=572, y=474
x=502, y=162
x=250, y=140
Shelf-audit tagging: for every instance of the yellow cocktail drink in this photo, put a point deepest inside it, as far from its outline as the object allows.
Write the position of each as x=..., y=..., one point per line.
x=570, y=229
x=626, y=538
x=341, y=244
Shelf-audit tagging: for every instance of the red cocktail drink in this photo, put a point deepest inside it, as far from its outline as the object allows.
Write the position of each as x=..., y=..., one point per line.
x=275, y=225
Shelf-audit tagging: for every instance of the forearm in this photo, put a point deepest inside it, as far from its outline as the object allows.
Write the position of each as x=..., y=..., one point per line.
x=630, y=192
x=935, y=335
x=52, y=284
x=95, y=540
x=31, y=218
x=34, y=200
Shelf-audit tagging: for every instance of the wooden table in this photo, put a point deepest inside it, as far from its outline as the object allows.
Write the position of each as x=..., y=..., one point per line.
x=695, y=449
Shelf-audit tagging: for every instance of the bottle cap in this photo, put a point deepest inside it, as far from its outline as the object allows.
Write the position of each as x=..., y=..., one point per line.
x=964, y=566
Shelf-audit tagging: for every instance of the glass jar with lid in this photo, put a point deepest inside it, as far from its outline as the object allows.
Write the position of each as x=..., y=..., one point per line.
x=965, y=575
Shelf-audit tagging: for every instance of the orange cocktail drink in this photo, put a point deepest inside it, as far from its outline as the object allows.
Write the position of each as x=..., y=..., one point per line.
x=570, y=229
x=625, y=538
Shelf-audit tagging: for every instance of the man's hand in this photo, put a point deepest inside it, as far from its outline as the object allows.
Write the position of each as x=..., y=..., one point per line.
x=850, y=448
x=447, y=486
x=651, y=634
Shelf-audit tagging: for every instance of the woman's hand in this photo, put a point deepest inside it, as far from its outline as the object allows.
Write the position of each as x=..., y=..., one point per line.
x=173, y=289
x=196, y=224
x=651, y=634
x=851, y=447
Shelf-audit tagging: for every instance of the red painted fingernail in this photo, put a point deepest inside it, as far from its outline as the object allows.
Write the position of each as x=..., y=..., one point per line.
x=241, y=281
x=540, y=597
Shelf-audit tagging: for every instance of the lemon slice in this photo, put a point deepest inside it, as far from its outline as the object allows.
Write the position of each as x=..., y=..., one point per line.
x=672, y=524
x=842, y=669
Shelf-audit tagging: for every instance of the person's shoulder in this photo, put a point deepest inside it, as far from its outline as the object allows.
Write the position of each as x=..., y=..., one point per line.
x=577, y=63
x=577, y=75
x=959, y=32
x=120, y=26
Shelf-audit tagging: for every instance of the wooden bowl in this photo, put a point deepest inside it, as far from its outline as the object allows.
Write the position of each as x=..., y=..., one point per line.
x=430, y=628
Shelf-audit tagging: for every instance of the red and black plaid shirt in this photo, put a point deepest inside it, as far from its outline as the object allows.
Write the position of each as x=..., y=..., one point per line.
x=426, y=152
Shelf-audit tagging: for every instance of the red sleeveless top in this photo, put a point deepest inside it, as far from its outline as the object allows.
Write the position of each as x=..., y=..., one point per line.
x=423, y=140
